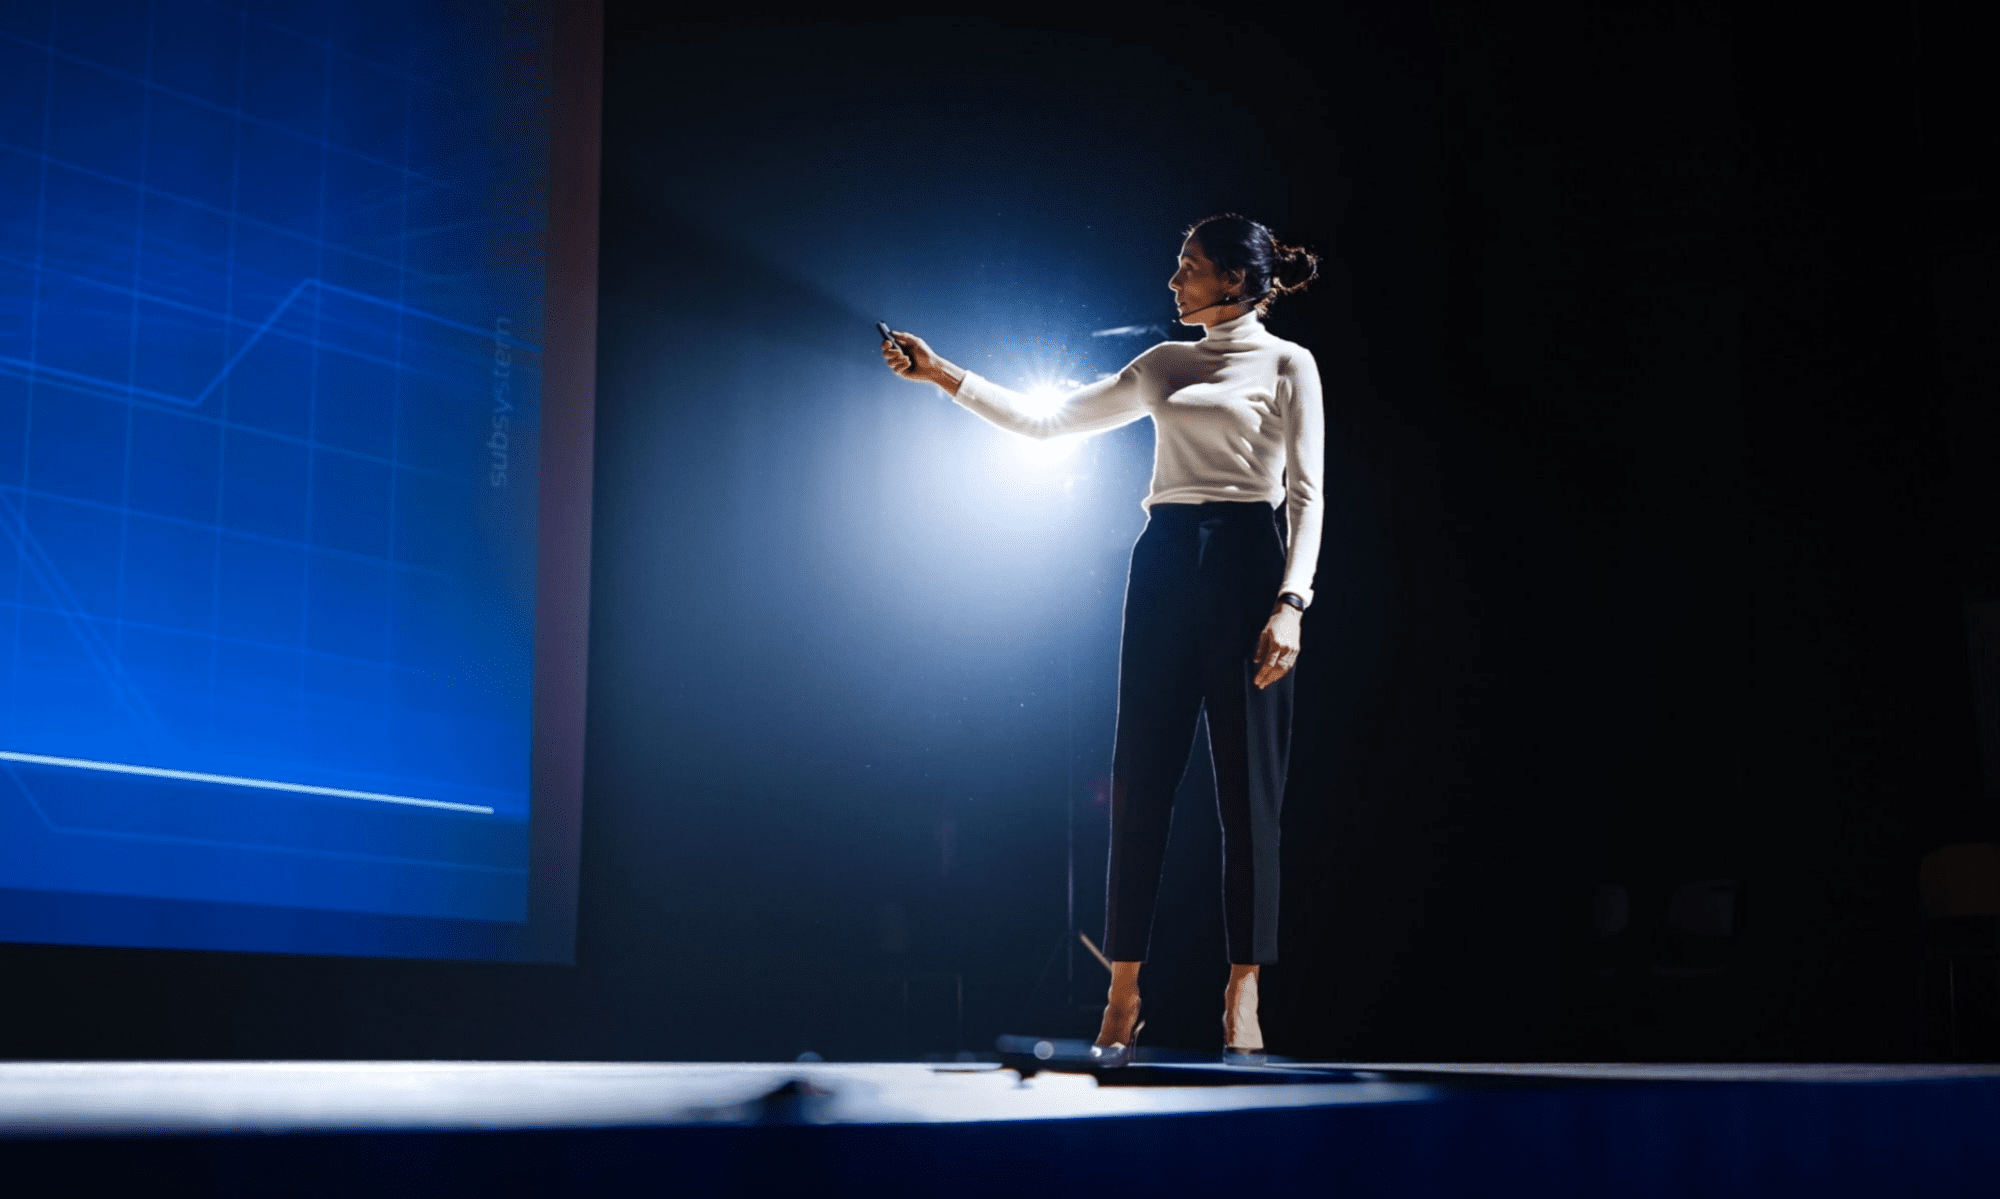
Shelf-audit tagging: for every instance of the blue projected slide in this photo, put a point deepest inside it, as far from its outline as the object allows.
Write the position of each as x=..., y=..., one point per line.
x=271, y=291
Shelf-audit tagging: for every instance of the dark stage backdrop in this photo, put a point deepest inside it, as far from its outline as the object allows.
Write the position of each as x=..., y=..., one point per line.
x=1637, y=566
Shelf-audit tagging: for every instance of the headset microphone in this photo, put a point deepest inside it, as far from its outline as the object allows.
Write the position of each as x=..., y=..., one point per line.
x=1224, y=303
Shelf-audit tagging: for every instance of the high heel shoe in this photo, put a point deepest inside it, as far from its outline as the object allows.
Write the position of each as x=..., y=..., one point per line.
x=1118, y=1054
x=1240, y=1055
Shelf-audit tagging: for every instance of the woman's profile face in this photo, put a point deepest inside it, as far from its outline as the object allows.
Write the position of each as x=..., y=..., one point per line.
x=1199, y=291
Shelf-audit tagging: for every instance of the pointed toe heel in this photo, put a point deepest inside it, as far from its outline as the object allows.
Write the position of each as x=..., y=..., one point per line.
x=1118, y=1054
x=1110, y=1057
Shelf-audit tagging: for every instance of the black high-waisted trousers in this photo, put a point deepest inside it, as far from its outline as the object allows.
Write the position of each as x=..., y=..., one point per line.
x=1203, y=580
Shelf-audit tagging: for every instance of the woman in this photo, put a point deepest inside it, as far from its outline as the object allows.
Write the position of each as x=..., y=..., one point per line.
x=1214, y=597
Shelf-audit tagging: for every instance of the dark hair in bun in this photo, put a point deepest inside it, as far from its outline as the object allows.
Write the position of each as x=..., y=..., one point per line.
x=1270, y=267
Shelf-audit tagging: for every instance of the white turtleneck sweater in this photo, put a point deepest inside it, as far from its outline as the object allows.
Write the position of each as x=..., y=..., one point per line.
x=1236, y=416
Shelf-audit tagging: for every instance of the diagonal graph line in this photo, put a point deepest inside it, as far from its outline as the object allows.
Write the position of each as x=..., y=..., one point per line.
x=33, y=369
x=403, y=309
x=230, y=780
x=35, y=806
x=250, y=343
x=28, y=368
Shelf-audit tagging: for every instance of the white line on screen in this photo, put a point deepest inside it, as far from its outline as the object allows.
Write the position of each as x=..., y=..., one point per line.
x=195, y=776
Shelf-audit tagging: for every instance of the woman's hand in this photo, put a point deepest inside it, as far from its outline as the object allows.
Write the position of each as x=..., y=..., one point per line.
x=1277, y=646
x=912, y=358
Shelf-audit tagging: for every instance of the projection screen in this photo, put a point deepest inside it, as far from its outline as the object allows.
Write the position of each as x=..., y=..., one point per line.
x=296, y=326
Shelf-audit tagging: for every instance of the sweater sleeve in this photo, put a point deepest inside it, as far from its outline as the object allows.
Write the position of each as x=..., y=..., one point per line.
x=1305, y=454
x=1105, y=404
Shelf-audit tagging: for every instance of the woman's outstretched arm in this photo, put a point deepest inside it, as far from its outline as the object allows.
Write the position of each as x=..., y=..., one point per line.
x=1105, y=404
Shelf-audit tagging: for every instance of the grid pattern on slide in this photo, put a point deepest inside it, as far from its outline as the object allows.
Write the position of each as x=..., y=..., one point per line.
x=246, y=336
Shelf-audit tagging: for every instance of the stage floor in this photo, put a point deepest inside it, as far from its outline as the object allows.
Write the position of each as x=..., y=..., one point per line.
x=104, y=1098
x=531, y=1128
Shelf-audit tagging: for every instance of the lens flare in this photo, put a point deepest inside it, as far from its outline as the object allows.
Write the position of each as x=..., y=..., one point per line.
x=1044, y=398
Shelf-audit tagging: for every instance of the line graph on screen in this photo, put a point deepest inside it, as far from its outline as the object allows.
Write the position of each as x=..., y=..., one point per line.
x=263, y=619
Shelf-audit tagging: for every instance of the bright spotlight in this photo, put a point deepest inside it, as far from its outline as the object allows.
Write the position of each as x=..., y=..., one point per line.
x=1044, y=398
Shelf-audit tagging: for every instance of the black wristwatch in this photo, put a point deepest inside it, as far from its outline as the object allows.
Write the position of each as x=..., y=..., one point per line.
x=1292, y=598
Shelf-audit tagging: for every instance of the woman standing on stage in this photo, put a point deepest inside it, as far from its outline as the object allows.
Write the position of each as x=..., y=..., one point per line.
x=1215, y=593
